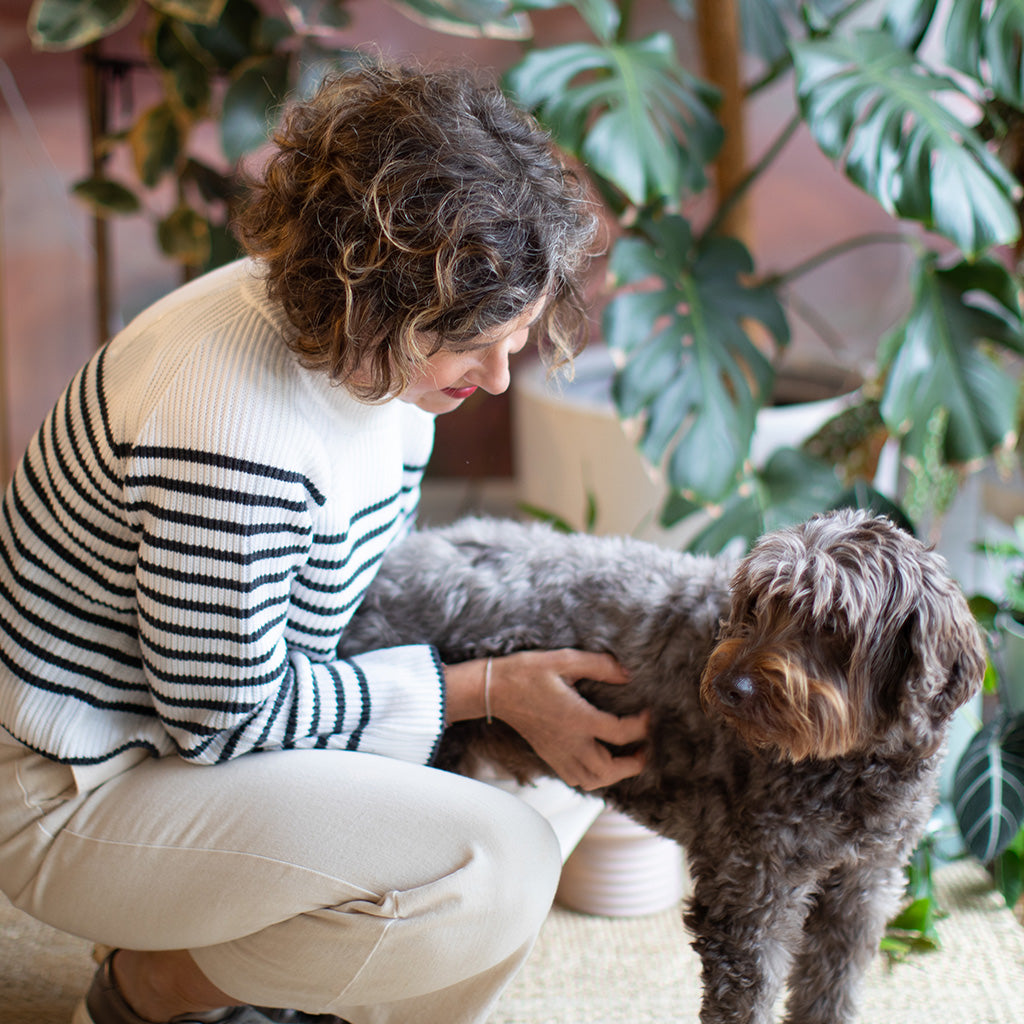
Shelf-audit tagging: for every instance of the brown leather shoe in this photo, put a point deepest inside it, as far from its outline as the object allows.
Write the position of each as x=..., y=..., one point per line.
x=104, y=1004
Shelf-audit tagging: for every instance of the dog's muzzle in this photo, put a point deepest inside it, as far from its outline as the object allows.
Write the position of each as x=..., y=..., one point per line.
x=733, y=692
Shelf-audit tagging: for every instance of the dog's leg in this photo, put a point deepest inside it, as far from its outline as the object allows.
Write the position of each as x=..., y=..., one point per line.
x=841, y=937
x=746, y=924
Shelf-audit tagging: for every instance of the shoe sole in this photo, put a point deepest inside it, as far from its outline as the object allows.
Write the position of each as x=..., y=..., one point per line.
x=81, y=1014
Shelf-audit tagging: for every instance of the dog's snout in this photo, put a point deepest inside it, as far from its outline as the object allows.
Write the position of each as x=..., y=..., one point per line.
x=734, y=691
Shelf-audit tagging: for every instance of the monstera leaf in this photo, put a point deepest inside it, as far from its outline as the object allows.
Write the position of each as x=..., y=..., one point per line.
x=791, y=486
x=770, y=26
x=628, y=110
x=908, y=20
x=936, y=360
x=876, y=111
x=988, y=789
x=691, y=371
x=983, y=39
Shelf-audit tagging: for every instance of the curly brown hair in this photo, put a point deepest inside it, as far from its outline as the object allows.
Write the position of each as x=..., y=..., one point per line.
x=404, y=206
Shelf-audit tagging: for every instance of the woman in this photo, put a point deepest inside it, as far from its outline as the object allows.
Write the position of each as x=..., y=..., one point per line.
x=188, y=773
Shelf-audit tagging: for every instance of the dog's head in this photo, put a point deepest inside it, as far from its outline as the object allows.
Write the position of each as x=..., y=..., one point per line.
x=845, y=635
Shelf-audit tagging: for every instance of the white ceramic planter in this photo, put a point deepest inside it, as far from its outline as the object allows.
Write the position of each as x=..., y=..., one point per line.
x=620, y=869
x=570, y=445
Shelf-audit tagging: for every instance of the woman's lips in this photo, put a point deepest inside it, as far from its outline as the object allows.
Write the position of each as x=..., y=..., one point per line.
x=459, y=392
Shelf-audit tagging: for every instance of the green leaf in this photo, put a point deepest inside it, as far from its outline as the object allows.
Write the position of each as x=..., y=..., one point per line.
x=233, y=38
x=330, y=14
x=187, y=76
x=796, y=486
x=475, y=18
x=629, y=111
x=691, y=369
x=106, y=196
x=983, y=39
x=69, y=24
x=199, y=12
x=872, y=108
x=156, y=142
x=908, y=20
x=224, y=247
x=212, y=184
x=768, y=26
x=1008, y=871
x=790, y=487
x=603, y=17
x=918, y=917
x=937, y=360
x=988, y=788
x=185, y=236
x=553, y=519
x=316, y=61
x=251, y=105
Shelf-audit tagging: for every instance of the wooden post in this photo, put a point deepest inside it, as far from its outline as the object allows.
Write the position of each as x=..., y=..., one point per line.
x=718, y=32
x=5, y=416
x=96, y=102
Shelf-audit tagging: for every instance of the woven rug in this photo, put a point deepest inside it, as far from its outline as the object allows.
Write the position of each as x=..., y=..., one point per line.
x=594, y=970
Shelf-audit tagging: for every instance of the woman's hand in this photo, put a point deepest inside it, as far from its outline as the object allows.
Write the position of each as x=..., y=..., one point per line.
x=535, y=693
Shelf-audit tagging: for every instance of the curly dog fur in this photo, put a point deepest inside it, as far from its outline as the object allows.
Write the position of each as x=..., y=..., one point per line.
x=799, y=702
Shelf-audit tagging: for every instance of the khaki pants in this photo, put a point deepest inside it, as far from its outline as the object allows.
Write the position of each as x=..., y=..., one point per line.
x=323, y=881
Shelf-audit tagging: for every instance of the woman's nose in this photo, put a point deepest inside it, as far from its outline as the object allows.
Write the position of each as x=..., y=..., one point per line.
x=493, y=373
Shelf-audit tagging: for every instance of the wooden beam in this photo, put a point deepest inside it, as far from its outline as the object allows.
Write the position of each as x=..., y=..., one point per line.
x=721, y=48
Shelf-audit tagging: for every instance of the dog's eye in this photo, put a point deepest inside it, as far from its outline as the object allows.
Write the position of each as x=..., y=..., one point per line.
x=830, y=625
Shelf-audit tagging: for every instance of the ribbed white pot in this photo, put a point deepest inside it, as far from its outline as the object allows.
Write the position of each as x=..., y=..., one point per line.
x=621, y=869
x=571, y=447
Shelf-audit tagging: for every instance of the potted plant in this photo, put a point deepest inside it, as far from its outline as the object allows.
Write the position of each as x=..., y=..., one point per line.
x=988, y=788
x=696, y=326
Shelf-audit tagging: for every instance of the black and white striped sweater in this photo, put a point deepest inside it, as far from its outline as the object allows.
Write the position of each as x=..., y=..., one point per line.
x=186, y=538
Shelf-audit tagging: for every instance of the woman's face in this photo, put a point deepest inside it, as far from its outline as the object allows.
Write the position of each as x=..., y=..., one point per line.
x=452, y=376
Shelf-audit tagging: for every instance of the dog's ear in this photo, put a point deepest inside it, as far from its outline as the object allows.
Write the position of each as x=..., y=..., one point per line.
x=947, y=661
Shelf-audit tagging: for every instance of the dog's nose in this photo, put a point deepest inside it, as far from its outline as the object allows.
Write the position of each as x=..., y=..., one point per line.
x=733, y=691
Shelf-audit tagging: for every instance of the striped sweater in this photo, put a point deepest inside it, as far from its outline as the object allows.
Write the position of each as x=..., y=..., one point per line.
x=185, y=539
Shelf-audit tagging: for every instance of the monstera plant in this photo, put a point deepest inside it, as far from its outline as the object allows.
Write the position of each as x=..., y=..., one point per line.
x=924, y=114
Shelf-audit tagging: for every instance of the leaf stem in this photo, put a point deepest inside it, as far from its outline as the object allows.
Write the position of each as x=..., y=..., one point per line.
x=839, y=249
x=625, y=19
x=788, y=130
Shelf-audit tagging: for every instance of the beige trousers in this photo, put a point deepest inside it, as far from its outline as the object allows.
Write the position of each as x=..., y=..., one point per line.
x=323, y=881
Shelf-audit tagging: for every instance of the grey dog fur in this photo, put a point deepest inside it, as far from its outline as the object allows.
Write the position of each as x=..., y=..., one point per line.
x=796, y=854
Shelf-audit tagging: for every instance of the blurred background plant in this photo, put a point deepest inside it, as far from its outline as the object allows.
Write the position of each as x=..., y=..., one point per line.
x=918, y=102
x=988, y=791
x=224, y=68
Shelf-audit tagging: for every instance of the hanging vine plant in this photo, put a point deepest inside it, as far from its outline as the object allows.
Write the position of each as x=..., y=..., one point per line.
x=228, y=64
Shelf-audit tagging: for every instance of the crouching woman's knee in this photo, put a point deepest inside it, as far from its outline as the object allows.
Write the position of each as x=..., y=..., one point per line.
x=493, y=901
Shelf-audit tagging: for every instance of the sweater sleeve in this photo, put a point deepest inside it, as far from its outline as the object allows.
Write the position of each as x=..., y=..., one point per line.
x=235, y=657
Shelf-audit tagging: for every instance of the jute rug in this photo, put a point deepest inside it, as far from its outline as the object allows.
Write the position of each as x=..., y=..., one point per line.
x=593, y=970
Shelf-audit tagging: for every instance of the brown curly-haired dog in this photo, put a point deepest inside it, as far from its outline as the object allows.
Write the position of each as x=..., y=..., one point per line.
x=799, y=703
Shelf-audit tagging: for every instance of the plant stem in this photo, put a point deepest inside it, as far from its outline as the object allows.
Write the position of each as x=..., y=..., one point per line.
x=625, y=17
x=721, y=214
x=840, y=248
